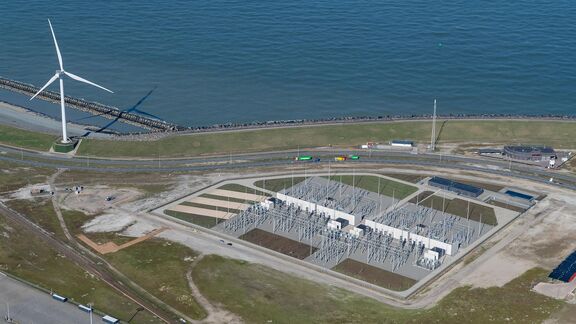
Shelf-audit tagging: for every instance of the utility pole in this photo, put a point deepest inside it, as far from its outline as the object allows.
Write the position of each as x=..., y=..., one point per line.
x=8, y=318
x=433, y=136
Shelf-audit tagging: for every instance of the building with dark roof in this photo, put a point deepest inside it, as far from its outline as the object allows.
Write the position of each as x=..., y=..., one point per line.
x=529, y=153
x=457, y=187
x=566, y=271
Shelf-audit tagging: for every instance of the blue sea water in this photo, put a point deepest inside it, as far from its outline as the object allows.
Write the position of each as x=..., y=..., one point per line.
x=214, y=61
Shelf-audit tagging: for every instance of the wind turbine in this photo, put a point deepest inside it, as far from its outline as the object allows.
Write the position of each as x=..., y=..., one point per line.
x=59, y=75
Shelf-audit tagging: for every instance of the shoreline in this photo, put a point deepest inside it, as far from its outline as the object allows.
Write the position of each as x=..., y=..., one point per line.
x=27, y=119
x=17, y=116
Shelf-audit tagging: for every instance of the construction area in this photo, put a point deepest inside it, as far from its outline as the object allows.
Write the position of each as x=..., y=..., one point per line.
x=384, y=231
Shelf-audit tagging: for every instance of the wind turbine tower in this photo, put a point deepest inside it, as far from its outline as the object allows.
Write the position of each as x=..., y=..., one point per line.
x=59, y=75
x=433, y=136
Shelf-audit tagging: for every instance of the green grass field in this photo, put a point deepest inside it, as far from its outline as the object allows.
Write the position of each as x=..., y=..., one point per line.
x=387, y=187
x=559, y=134
x=260, y=295
x=278, y=184
x=26, y=139
x=458, y=207
x=40, y=211
x=211, y=207
x=160, y=267
x=204, y=221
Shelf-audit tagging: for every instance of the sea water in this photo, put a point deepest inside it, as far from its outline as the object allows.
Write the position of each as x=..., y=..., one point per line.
x=217, y=61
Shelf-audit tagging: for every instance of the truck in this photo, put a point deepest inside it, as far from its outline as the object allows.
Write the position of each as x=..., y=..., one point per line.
x=340, y=158
x=109, y=319
x=303, y=158
x=59, y=298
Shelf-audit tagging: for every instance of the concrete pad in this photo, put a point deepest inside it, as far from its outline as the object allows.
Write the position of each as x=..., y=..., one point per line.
x=555, y=290
x=236, y=194
x=219, y=203
x=508, y=268
x=202, y=211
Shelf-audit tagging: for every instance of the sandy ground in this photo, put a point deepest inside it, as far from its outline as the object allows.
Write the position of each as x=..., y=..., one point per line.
x=25, y=192
x=219, y=203
x=110, y=222
x=111, y=247
x=92, y=200
x=236, y=194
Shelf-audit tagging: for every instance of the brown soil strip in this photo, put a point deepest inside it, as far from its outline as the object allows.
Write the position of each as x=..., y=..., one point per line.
x=279, y=243
x=111, y=247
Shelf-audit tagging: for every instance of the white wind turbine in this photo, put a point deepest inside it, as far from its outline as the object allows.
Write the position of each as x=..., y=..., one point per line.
x=59, y=75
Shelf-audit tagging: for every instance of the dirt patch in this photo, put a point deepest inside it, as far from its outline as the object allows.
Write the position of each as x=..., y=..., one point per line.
x=92, y=201
x=279, y=243
x=25, y=192
x=552, y=239
x=506, y=206
x=111, y=247
x=374, y=275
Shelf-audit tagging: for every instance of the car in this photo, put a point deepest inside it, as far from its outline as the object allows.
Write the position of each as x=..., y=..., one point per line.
x=229, y=244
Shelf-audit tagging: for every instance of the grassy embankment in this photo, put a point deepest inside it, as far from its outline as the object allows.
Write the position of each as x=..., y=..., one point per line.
x=561, y=134
x=259, y=295
x=25, y=139
x=558, y=134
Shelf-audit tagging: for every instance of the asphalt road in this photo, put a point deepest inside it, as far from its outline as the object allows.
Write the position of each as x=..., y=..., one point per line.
x=284, y=159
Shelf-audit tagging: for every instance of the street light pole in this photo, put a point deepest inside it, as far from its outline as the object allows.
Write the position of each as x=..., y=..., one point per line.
x=91, y=311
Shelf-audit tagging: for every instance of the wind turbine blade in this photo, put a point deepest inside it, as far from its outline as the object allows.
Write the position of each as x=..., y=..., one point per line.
x=77, y=78
x=46, y=85
x=56, y=44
